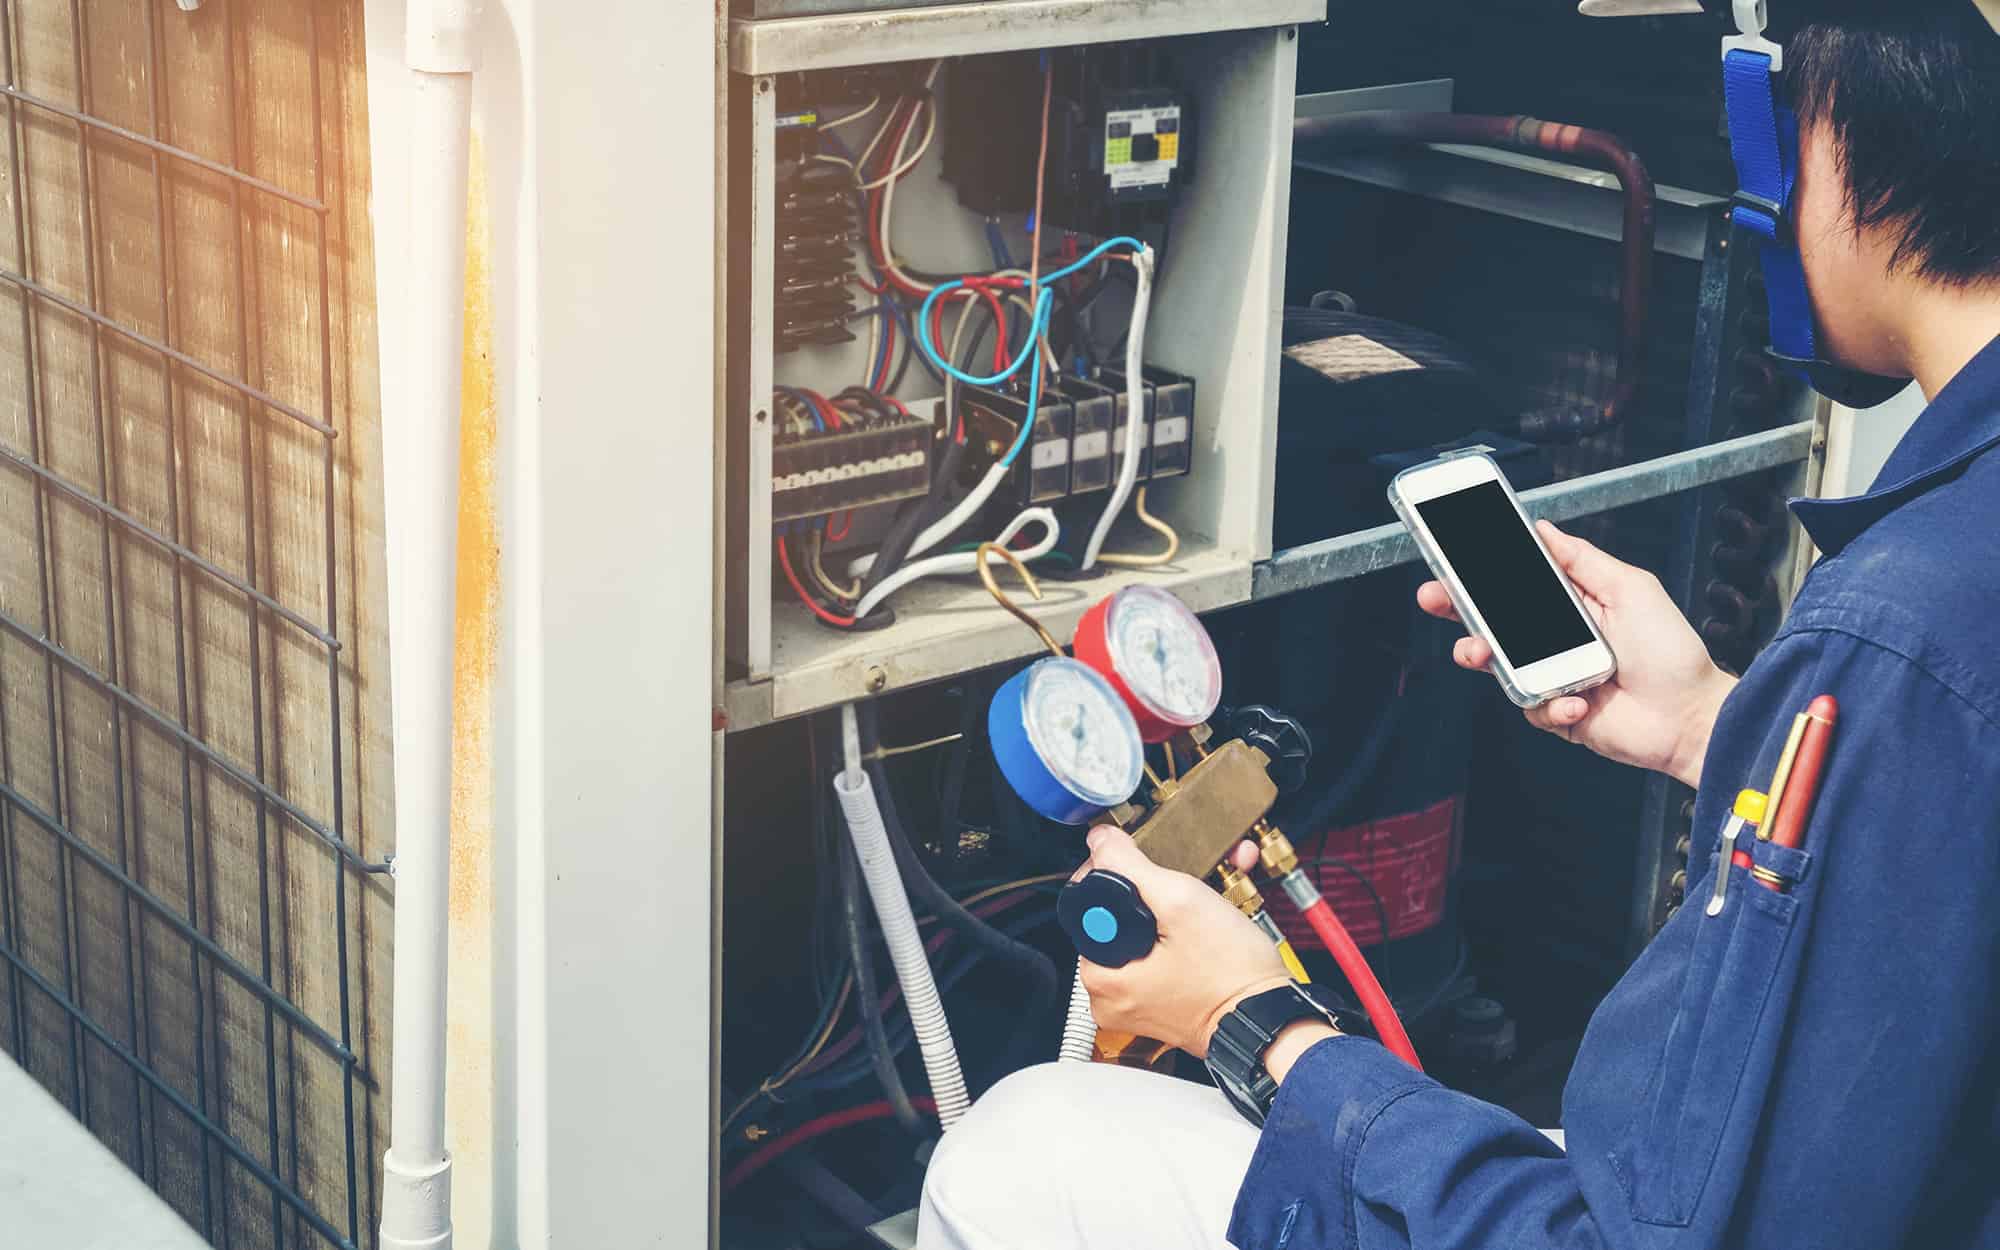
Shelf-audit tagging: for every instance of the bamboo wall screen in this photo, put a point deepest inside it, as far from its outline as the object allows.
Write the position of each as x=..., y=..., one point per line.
x=194, y=768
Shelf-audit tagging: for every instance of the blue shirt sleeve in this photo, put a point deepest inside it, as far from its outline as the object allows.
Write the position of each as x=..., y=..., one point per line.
x=1812, y=1067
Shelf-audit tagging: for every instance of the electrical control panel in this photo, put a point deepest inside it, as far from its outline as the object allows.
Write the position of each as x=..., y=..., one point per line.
x=920, y=361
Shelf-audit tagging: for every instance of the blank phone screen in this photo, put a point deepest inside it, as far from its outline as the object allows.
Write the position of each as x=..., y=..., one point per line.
x=1502, y=568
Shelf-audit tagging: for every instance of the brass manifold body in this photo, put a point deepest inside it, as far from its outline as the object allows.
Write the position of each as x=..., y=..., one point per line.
x=1199, y=818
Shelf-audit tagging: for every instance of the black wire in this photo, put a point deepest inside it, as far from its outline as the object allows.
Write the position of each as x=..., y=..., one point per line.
x=1040, y=970
x=914, y=515
x=902, y=1033
x=802, y=572
x=882, y=1058
x=1381, y=908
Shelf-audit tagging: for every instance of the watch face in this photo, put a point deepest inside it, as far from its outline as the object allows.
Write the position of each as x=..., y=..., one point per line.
x=1240, y=1098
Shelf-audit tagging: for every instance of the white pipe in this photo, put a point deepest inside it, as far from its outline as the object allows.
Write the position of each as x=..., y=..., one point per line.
x=899, y=930
x=420, y=510
x=1079, y=1039
x=1135, y=404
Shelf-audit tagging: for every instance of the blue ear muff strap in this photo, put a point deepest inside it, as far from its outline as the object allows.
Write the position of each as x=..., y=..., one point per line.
x=1764, y=143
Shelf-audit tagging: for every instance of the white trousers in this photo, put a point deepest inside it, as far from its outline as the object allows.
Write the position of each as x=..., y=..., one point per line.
x=1087, y=1155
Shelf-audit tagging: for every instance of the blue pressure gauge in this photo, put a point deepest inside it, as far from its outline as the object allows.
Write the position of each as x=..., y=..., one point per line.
x=1065, y=740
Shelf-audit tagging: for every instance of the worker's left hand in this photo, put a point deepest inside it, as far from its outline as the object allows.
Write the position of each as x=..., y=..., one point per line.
x=1208, y=958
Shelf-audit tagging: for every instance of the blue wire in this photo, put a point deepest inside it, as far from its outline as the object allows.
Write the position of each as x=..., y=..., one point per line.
x=805, y=403
x=998, y=243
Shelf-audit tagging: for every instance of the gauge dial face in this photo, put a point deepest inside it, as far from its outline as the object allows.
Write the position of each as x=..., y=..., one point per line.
x=1082, y=731
x=1163, y=655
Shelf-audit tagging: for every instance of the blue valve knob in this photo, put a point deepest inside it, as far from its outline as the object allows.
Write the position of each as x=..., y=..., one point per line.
x=1106, y=919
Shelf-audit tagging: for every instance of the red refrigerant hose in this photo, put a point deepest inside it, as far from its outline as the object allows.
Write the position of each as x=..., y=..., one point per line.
x=1381, y=1013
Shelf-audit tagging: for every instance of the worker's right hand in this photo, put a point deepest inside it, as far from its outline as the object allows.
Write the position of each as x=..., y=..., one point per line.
x=1659, y=709
x=1208, y=958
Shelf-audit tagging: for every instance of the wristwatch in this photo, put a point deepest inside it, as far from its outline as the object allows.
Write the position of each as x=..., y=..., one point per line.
x=1236, y=1051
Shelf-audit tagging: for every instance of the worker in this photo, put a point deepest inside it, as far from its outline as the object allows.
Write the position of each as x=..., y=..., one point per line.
x=1819, y=1064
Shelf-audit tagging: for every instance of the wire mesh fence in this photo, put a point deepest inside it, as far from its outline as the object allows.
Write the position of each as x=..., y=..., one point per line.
x=193, y=928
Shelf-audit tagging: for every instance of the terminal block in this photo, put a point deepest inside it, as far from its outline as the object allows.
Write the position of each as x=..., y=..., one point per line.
x=1081, y=424
x=829, y=471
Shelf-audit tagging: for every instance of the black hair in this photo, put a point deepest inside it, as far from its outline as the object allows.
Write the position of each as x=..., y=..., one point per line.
x=1912, y=92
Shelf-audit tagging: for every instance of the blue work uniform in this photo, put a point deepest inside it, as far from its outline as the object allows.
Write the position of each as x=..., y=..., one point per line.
x=1818, y=1067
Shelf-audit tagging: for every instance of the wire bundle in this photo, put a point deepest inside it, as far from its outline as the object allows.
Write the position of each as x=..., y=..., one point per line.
x=981, y=927
x=1014, y=308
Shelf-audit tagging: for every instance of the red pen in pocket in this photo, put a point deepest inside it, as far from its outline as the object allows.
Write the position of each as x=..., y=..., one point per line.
x=1791, y=809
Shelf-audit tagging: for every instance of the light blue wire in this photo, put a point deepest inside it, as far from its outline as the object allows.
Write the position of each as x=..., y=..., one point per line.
x=1036, y=326
x=1039, y=323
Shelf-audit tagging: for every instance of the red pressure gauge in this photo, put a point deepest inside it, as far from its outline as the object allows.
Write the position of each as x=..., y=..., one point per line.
x=1156, y=655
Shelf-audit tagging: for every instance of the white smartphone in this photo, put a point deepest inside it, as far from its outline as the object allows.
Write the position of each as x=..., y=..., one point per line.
x=1507, y=589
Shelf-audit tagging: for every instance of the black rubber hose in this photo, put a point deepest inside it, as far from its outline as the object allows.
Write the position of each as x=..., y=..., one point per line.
x=869, y=996
x=1040, y=970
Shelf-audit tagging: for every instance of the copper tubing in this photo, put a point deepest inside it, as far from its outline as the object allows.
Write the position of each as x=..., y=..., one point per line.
x=1599, y=150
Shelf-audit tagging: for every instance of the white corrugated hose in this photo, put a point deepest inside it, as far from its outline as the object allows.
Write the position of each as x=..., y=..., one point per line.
x=1079, y=1040
x=899, y=928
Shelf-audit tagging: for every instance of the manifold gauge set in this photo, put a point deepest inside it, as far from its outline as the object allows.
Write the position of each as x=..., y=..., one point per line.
x=1070, y=734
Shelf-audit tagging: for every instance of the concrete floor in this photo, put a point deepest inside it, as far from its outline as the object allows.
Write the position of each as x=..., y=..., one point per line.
x=61, y=1189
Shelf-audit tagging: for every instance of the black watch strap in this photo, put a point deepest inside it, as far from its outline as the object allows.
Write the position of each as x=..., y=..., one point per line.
x=1236, y=1050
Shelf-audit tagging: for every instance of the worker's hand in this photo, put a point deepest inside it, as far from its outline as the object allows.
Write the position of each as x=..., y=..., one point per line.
x=1659, y=709
x=1208, y=958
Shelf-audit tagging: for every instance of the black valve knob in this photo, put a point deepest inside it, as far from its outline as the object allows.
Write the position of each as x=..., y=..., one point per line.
x=1281, y=738
x=1106, y=920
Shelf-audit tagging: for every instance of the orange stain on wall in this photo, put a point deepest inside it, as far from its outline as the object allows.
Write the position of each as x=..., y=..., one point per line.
x=477, y=617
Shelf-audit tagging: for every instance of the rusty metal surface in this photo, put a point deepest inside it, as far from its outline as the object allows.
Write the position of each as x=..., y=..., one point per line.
x=830, y=41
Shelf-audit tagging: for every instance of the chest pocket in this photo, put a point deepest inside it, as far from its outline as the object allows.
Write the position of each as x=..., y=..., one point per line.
x=1691, y=1132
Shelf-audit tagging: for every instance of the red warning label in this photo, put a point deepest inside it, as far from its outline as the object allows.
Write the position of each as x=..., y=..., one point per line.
x=1396, y=868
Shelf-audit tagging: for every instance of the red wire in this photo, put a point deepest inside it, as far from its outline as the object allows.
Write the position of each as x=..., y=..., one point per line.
x=877, y=248
x=846, y=526
x=1359, y=975
x=827, y=412
x=758, y=1159
x=831, y=618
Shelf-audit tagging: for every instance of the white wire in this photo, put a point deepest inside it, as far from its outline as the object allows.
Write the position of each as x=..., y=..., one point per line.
x=888, y=236
x=874, y=346
x=957, y=335
x=861, y=161
x=947, y=525
x=905, y=166
x=1048, y=353
x=1135, y=401
x=889, y=190
x=873, y=102
x=965, y=561
x=861, y=565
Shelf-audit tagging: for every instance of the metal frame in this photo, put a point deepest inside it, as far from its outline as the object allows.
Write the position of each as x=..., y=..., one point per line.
x=270, y=1163
x=1386, y=546
x=834, y=40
